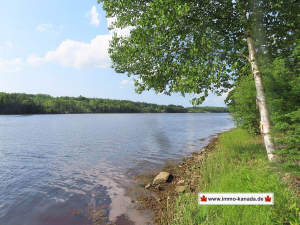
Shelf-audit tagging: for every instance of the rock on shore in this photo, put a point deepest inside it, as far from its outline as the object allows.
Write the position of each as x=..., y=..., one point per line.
x=162, y=177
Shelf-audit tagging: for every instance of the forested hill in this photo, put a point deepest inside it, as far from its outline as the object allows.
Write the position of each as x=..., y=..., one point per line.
x=19, y=103
x=206, y=109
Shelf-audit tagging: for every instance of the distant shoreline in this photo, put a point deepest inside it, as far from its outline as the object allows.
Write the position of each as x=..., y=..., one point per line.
x=30, y=114
x=29, y=104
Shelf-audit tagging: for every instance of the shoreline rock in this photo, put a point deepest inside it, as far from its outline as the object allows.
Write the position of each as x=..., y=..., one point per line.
x=162, y=177
x=180, y=189
x=174, y=179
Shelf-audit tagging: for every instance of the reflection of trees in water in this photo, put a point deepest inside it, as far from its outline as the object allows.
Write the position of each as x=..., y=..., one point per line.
x=162, y=140
x=159, y=136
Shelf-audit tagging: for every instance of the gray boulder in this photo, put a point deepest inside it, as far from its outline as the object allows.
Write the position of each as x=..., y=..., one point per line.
x=162, y=177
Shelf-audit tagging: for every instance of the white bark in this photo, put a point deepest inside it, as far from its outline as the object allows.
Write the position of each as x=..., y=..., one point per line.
x=261, y=100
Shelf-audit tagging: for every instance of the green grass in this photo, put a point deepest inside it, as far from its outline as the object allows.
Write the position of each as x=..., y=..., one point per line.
x=238, y=164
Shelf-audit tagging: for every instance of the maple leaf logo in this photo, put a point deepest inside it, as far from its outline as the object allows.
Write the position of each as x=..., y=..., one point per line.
x=268, y=199
x=203, y=198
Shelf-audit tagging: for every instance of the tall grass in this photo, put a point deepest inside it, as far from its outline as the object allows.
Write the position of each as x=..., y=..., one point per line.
x=238, y=164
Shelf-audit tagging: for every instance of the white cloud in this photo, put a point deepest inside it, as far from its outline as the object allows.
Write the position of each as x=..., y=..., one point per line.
x=94, y=16
x=78, y=54
x=126, y=82
x=34, y=60
x=124, y=32
x=11, y=65
x=71, y=53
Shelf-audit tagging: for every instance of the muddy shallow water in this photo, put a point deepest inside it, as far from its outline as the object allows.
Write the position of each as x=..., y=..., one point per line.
x=74, y=169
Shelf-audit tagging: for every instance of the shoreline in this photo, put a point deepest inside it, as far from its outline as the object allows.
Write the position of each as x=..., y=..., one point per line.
x=151, y=202
x=156, y=198
x=220, y=166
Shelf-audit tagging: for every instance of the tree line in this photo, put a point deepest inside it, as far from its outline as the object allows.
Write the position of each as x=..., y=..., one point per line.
x=19, y=103
x=207, y=109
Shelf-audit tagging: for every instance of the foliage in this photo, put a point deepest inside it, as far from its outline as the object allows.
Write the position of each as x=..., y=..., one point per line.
x=31, y=104
x=17, y=103
x=242, y=105
x=282, y=85
x=238, y=164
x=191, y=46
x=210, y=109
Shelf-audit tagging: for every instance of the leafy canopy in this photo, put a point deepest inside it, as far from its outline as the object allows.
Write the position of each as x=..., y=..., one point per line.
x=191, y=46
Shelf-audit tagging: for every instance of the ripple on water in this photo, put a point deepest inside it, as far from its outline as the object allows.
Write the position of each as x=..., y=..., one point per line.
x=74, y=169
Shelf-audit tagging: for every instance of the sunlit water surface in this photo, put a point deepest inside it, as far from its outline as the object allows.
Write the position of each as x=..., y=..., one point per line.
x=69, y=169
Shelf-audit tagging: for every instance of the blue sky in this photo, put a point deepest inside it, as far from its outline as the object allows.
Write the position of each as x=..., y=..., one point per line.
x=59, y=47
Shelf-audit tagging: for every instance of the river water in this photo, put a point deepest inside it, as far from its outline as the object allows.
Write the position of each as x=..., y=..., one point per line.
x=72, y=169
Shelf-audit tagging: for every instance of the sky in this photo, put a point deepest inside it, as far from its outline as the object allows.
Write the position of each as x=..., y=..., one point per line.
x=59, y=47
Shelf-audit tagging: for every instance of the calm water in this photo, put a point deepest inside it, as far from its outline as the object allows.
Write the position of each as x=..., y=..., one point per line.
x=61, y=169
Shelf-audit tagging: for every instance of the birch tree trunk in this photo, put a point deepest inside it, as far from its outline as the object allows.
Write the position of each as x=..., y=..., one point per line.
x=261, y=100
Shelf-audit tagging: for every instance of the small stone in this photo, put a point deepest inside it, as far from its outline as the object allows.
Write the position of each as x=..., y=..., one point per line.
x=162, y=177
x=148, y=186
x=180, y=182
x=180, y=189
x=198, y=157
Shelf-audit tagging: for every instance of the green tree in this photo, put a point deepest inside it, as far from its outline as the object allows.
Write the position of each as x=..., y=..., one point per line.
x=191, y=46
x=283, y=91
x=241, y=102
x=282, y=84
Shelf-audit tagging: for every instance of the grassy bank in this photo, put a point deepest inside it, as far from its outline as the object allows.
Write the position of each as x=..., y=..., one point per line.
x=237, y=163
